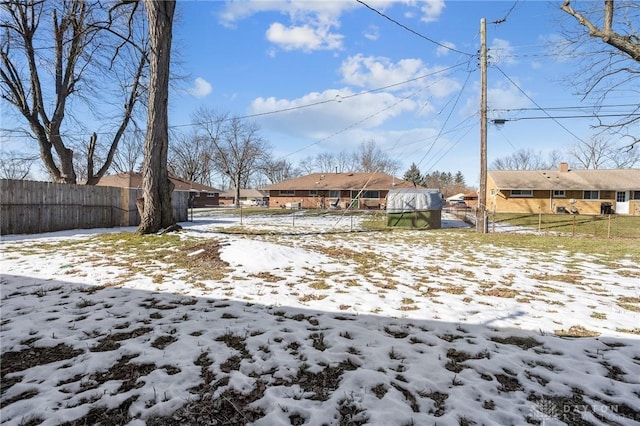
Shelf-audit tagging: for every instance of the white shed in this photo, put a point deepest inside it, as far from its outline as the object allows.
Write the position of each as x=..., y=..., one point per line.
x=415, y=208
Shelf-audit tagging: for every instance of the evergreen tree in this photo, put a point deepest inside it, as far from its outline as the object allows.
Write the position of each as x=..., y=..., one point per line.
x=413, y=175
x=459, y=179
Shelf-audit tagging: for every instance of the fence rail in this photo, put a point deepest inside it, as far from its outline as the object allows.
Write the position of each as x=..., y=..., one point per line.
x=29, y=207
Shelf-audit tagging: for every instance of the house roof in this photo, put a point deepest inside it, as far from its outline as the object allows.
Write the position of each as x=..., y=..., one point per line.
x=599, y=179
x=341, y=181
x=134, y=180
x=456, y=197
x=244, y=193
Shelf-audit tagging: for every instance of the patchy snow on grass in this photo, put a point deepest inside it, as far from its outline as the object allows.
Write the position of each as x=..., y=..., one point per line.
x=314, y=320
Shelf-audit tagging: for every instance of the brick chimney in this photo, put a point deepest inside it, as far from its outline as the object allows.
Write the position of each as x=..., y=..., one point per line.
x=564, y=167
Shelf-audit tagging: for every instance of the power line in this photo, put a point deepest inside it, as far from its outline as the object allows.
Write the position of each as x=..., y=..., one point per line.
x=278, y=111
x=561, y=117
x=353, y=124
x=447, y=119
x=536, y=104
x=413, y=31
x=503, y=20
x=561, y=108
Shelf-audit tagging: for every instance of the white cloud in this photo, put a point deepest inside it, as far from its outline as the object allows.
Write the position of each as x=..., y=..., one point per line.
x=298, y=11
x=311, y=24
x=375, y=71
x=372, y=72
x=431, y=10
x=201, y=88
x=501, y=52
x=372, y=32
x=442, y=50
x=333, y=111
x=303, y=37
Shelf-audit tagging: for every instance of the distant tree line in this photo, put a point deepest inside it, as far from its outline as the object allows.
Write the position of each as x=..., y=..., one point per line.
x=596, y=153
x=447, y=182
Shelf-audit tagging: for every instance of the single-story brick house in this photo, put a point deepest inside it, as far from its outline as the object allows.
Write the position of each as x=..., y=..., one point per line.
x=334, y=190
x=564, y=190
x=248, y=196
x=201, y=195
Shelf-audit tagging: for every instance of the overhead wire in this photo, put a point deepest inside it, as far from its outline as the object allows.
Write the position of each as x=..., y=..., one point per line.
x=457, y=99
x=536, y=104
x=282, y=110
x=344, y=129
x=413, y=31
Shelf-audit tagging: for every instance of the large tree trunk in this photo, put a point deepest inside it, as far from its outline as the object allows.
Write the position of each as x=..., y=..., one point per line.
x=156, y=187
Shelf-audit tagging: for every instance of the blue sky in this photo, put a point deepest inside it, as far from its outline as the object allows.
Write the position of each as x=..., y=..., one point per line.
x=321, y=76
x=250, y=58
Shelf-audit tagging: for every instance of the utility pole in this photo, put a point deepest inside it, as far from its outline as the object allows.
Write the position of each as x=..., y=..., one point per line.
x=481, y=212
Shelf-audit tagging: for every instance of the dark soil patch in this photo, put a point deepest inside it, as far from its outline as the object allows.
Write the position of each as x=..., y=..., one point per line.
x=322, y=383
x=439, y=399
x=11, y=362
x=127, y=372
x=163, y=341
x=106, y=417
x=522, y=342
x=456, y=358
x=508, y=383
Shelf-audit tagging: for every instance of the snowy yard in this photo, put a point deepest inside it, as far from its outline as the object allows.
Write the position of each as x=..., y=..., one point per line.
x=310, y=320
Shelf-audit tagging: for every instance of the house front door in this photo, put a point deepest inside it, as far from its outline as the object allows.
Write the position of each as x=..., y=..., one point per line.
x=622, y=202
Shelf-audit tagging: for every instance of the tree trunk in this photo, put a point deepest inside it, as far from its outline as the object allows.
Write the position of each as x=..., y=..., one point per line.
x=156, y=187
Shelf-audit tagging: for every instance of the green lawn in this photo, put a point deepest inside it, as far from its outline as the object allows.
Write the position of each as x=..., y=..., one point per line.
x=600, y=226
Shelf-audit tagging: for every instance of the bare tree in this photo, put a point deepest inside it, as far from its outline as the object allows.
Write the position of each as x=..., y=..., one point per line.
x=328, y=162
x=526, y=159
x=370, y=158
x=157, y=212
x=592, y=154
x=613, y=64
x=128, y=157
x=278, y=170
x=64, y=46
x=626, y=157
x=190, y=158
x=16, y=165
x=599, y=153
x=237, y=147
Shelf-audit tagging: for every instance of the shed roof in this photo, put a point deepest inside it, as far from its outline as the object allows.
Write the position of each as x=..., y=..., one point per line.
x=599, y=179
x=413, y=199
x=342, y=181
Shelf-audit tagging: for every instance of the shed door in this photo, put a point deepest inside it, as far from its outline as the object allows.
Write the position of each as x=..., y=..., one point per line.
x=622, y=202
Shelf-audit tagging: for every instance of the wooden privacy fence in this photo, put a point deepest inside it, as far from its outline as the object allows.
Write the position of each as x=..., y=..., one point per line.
x=30, y=207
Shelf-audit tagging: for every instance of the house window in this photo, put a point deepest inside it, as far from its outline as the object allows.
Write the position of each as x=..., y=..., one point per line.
x=287, y=192
x=334, y=194
x=313, y=193
x=591, y=195
x=522, y=193
x=370, y=194
x=365, y=194
x=558, y=193
x=211, y=194
x=635, y=195
x=621, y=197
